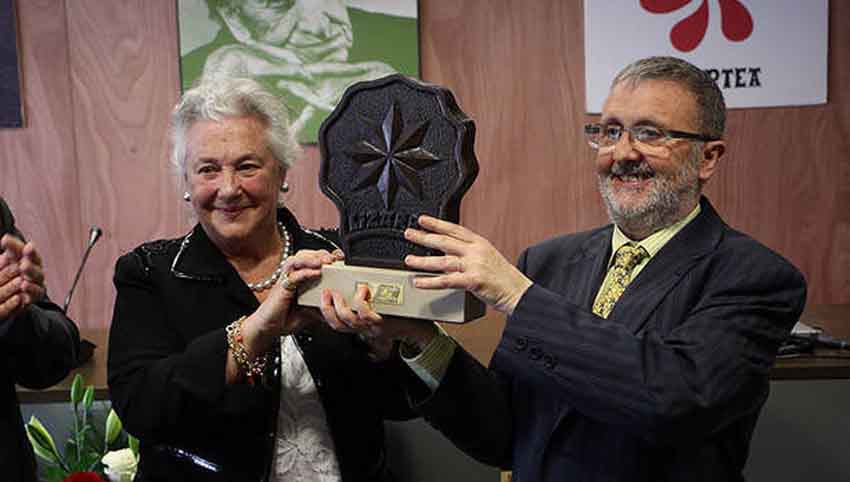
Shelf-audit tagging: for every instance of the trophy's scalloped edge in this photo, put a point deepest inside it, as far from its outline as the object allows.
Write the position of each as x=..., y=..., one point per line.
x=464, y=146
x=464, y=149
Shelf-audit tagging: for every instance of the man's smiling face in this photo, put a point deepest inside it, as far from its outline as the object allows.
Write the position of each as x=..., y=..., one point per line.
x=650, y=187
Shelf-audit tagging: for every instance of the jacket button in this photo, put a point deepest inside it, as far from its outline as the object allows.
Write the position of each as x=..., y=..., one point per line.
x=535, y=353
x=520, y=344
x=549, y=361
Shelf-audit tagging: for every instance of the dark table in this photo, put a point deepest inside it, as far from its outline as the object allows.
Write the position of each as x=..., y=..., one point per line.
x=93, y=372
x=823, y=363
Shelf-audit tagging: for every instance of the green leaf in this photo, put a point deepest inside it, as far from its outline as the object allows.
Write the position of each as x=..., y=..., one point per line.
x=88, y=397
x=113, y=427
x=133, y=443
x=53, y=473
x=42, y=442
x=89, y=461
x=77, y=389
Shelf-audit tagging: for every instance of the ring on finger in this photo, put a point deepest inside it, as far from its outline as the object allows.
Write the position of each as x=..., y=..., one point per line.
x=288, y=284
x=458, y=265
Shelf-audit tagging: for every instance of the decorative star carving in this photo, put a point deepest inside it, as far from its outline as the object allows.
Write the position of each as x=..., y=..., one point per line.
x=396, y=160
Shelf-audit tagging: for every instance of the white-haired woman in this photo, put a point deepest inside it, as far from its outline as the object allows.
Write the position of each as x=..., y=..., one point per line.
x=211, y=364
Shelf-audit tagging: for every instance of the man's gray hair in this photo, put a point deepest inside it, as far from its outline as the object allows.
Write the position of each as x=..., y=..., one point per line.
x=219, y=97
x=711, y=107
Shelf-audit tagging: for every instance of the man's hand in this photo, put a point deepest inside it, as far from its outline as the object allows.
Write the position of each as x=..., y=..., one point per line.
x=470, y=263
x=21, y=276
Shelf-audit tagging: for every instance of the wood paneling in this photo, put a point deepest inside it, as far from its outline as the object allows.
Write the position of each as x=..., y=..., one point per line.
x=304, y=197
x=38, y=170
x=517, y=71
x=787, y=176
x=125, y=80
x=100, y=78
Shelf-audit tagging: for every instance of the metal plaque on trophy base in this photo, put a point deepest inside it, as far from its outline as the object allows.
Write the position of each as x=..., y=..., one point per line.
x=394, y=148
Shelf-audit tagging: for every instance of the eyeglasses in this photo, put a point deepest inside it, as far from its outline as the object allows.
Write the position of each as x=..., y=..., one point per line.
x=604, y=136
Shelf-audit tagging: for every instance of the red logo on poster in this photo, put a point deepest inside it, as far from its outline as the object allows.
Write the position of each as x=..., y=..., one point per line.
x=735, y=19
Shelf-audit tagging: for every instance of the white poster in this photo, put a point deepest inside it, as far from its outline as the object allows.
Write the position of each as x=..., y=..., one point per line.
x=762, y=53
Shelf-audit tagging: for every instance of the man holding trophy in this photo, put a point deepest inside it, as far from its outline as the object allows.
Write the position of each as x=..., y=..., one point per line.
x=638, y=351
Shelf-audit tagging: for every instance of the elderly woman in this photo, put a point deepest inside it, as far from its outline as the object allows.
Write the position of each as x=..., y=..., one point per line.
x=211, y=364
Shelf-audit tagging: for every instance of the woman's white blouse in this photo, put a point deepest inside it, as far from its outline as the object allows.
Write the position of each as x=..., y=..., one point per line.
x=304, y=447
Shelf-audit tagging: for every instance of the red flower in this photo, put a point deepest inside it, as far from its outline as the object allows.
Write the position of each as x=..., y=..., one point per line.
x=736, y=21
x=83, y=477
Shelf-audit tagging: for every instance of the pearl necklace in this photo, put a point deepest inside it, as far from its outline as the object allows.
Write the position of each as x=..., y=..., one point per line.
x=287, y=249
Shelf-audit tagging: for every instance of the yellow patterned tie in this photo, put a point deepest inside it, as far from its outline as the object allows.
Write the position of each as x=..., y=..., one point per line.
x=627, y=257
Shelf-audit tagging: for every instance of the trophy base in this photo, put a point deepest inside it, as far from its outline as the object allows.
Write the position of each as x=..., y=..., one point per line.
x=393, y=293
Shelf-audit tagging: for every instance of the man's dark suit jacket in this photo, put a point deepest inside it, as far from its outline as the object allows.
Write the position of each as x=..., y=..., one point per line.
x=38, y=347
x=668, y=388
x=167, y=356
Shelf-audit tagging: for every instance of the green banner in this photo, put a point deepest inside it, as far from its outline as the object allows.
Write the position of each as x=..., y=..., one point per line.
x=307, y=51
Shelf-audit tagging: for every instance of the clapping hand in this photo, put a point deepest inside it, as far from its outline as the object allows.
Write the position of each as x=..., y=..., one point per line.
x=21, y=276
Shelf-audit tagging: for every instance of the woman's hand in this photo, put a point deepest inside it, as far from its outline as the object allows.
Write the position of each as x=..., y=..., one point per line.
x=378, y=331
x=278, y=315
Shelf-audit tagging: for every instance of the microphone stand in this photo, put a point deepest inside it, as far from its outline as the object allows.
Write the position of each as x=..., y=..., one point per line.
x=86, y=347
x=94, y=235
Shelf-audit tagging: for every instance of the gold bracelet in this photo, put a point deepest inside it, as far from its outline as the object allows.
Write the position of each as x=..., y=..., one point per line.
x=236, y=343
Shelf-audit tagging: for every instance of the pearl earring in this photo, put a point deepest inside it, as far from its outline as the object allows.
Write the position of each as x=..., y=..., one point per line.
x=186, y=196
x=284, y=187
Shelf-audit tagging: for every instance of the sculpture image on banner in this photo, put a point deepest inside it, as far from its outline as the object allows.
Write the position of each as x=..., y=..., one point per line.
x=307, y=51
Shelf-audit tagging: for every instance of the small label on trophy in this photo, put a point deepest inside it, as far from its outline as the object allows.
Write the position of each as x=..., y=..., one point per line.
x=384, y=293
x=389, y=294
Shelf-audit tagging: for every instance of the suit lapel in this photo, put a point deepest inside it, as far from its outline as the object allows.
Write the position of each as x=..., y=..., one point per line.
x=654, y=282
x=200, y=260
x=587, y=270
x=664, y=270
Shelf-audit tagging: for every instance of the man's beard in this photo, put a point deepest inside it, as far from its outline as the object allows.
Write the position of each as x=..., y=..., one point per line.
x=667, y=194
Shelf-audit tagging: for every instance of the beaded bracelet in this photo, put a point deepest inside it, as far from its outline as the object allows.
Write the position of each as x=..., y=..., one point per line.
x=236, y=343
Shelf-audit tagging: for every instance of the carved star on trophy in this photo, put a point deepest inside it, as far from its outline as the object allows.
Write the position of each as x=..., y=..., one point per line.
x=394, y=148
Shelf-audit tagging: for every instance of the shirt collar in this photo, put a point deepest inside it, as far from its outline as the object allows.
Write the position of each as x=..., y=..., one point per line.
x=655, y=241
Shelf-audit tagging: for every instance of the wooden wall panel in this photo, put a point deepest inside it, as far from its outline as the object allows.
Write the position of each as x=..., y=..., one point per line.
x=38, y=172
x=517, y=70
x=786, y=179
x=515, y=67
x=305, y=199
x=125, y=79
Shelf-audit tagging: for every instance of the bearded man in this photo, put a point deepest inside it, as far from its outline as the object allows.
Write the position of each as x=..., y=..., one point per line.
x=638, y=351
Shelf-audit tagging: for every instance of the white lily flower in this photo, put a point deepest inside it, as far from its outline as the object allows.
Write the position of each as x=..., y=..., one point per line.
x=120, y=465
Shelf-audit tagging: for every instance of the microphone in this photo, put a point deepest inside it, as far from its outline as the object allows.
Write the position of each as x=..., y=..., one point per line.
x=822, y=339
x=94, y=234
x=819, y=339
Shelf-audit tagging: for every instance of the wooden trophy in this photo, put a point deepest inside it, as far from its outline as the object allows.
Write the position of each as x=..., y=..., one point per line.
x=394, y=148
